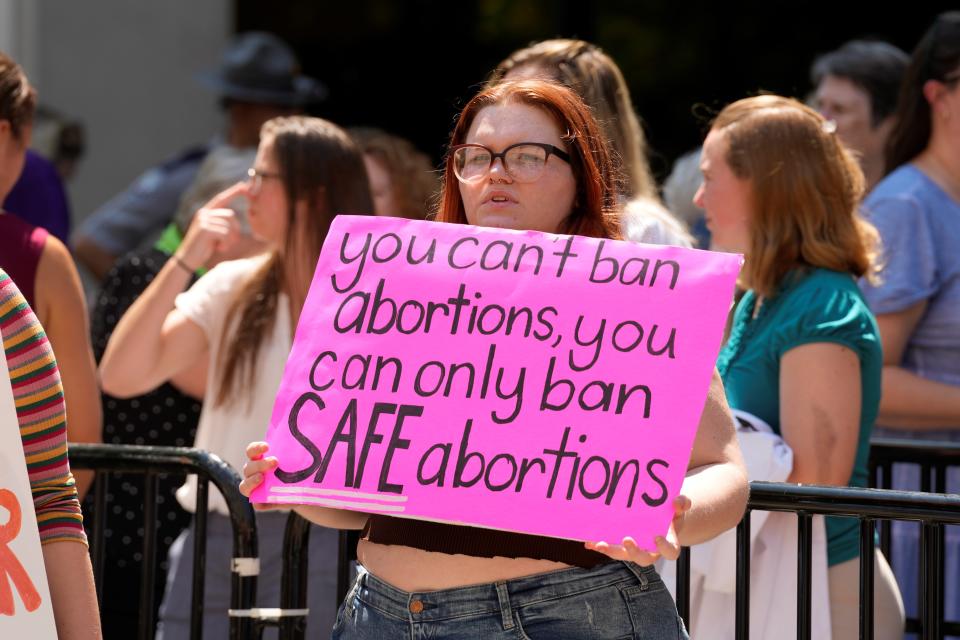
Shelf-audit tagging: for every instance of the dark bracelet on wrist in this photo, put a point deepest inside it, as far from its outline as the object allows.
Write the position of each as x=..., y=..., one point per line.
x=183, y=265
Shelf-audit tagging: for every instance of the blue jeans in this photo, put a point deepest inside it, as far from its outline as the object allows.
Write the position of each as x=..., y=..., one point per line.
x=617, y=600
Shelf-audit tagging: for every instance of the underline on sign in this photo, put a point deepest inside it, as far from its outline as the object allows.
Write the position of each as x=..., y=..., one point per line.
x=345, y=504
x=338, y=492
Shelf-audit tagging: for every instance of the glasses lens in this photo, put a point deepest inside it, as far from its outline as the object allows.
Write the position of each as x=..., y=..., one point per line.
x=525, y=163
x=471, y=163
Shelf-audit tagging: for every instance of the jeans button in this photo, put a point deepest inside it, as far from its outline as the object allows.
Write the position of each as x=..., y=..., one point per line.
x=416, y=606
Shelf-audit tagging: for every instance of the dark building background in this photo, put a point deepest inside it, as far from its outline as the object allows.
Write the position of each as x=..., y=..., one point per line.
x=408, y=66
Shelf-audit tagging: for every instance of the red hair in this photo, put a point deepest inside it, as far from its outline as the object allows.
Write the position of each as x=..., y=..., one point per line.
x=806, y=189
x=594, y=210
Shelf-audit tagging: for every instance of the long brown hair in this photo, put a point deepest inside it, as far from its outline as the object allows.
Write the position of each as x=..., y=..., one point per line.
x=806, y=190
x=937, y=57
x=322, y=170
x=597, y=79
x=595, y=205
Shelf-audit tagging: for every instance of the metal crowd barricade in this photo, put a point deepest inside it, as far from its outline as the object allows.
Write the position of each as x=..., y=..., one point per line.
x=868, y=505
x=932, y=510
x=933, y=459
x=151, y=461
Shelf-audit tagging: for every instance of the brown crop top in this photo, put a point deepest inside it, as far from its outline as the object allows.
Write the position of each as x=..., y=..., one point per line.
x=473, y=541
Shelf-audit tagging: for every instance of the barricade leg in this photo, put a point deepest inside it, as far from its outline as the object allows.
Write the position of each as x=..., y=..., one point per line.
x=199, y=559
x=99, y=525
x=867, y=553
x=683, y=586
x=931, y=570
x=804, y=580
x=147, y=577
x=742, y=620
x=293, y=590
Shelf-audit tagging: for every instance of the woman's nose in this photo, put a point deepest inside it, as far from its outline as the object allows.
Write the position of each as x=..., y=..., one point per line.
x=498, y=169
x=698, y=196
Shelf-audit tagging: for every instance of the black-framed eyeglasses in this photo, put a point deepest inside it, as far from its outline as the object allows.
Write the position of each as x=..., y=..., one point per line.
x=523, y=161
x=255, y=177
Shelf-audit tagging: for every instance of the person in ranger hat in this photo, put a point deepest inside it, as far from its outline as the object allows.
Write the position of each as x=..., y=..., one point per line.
x=258, y=79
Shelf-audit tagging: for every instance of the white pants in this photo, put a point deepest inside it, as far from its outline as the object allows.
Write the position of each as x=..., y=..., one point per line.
x=888, y=615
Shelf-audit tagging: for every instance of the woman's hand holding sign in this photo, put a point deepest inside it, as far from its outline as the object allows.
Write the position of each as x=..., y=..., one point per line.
x=667, y=546
x=256, y=468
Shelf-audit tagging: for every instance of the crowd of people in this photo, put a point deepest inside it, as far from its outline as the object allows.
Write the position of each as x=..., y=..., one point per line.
x=846, y=209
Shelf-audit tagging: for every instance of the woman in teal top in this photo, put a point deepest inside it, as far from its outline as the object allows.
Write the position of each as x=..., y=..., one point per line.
x=804, y=352
x=811, y=306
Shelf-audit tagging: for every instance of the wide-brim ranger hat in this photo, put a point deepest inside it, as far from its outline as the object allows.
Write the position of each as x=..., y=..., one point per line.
x=261, y=68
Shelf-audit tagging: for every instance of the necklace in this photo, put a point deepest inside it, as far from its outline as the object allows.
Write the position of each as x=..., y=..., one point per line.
x=757, y=308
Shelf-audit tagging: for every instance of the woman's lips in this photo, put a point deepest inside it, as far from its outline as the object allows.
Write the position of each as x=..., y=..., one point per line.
x=498, y=200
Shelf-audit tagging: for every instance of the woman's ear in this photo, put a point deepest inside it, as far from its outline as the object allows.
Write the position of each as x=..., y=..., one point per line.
x=933, y=90
x=6, y=132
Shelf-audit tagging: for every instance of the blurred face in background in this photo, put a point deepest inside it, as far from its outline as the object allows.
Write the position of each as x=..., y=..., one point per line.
x=268, y=199
x=848, y=105
x=725, y=197
x=381, y=187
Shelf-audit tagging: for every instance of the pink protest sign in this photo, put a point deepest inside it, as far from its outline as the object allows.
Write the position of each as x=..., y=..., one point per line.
x=513, y=380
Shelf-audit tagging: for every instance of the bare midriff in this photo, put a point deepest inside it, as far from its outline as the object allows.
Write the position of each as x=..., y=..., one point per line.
x=410, y=569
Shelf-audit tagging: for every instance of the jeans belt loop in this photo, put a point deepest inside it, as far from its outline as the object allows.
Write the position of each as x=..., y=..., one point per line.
x=638, y=571
x=506, y=613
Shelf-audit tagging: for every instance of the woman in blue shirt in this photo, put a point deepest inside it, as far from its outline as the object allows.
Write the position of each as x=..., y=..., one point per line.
x=804, y=352
x=916, y=208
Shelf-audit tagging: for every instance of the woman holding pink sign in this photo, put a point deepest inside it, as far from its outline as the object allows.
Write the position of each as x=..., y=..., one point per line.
x=528, y=155
x=241, y=314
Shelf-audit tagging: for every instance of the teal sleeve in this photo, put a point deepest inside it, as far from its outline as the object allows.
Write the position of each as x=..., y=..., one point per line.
x=828, y=314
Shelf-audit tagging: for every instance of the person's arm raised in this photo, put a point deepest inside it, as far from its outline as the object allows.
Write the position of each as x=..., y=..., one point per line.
x=714, y=493
x=154, y=341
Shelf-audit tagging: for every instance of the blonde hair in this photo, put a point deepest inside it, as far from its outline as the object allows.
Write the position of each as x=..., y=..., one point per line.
x=806, y=191
x=597, y=79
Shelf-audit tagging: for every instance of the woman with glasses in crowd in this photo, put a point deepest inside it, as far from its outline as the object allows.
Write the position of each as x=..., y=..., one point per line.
x=529, y=155
x=803, y=354
x=243, y=314
x=916, y=208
